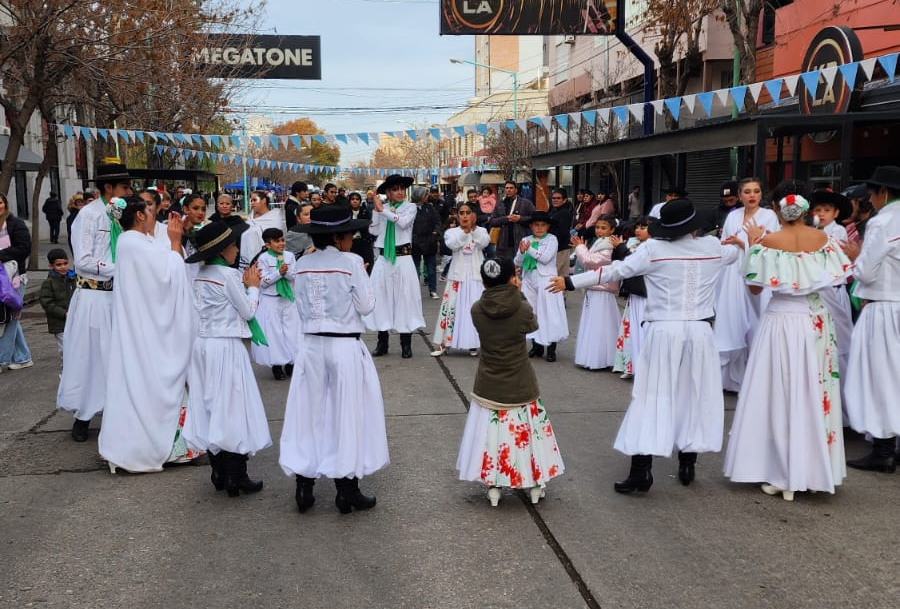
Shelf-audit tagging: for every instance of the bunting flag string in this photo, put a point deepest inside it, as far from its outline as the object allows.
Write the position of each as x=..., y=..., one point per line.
x=733, y=97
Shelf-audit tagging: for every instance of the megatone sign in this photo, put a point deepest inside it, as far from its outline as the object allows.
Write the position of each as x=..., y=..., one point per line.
x=543, y=17
x=264, y=56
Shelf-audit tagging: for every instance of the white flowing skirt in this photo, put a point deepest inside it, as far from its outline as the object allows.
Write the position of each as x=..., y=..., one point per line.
x=631, y=334
x=550, y=310
x=737, y=315
x=676, y=401
x=279, y=319
x=515, y=448
x=82, y=389
x=873, y=374
x=787, y=426
x=595, y=346
x=225, y=409
x=398, y=298
x=334, y=418
x=454, y=328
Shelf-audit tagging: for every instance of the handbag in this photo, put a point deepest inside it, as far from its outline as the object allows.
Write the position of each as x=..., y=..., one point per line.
x=9, y=296
x=494, y=235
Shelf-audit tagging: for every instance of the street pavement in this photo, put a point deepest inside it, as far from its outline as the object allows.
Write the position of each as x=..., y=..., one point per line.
x=73, y=535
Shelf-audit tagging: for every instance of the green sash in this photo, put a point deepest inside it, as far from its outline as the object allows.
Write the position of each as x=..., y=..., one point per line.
x=529, y=263
x=282, y=286
x=389, y=250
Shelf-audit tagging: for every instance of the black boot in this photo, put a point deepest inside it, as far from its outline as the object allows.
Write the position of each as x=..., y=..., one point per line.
x=304, y=495
x=278, y=373
x=217, y=477
x=639, y=478
x=881, y=459
x=80, y=430
x=536, y=349
x=236, y=479
x=289, y=369
x=406, y=346
x=686, y=463
x=551, y=352
x=382, y=347
x=349, y=496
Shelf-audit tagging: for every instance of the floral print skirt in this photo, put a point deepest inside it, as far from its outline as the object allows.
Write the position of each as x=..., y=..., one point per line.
x=514, y=448
x=180, y=451
x=454, y=328
x=630, y=332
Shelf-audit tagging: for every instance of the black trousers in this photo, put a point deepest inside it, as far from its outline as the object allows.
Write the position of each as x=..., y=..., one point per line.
x=54, y=230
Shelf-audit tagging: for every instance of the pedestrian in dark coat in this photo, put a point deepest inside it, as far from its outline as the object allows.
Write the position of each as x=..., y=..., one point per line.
x=53, y=211
x=425, y=237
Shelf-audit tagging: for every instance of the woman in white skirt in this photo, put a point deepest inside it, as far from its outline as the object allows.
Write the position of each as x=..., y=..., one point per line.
x=454, y=328
x=873, y=375
x=225, y=416
x=394, y=277
x=595, y=347
x=676, y=402
x=737, y=310
x=536, y=256
x=334, y=417
x=277, y=314
x=787, y=431
x=631, y=330
x=508, y=440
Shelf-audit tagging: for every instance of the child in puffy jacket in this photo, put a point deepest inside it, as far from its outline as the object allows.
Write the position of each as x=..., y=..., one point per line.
x=56, y=293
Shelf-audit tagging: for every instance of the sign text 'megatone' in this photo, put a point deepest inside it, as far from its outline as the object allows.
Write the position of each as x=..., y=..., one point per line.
x=263, y=56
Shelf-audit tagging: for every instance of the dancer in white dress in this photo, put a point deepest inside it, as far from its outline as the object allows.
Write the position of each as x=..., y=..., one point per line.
x=277, y=314
x=394, y=277
x=787, y=431
x=262, y=216
x=676, y=401
x=454, y=328
x=334, y=418
x=595, y=346
x=82, y=388
x=737, y=311
x=873, y=374
x=225, y=414
x=536, y=256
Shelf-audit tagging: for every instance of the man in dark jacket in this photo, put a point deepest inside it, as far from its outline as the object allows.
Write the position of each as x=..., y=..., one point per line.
x=299, y=194
x=563, y=214
x=54, y=213
x=515, y=226
x=426, y=234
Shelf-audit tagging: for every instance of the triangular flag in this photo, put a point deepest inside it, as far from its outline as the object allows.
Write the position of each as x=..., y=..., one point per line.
x=284, y=141
x=621, y=113
x=510, y=126
x=435, y=134
x=207, y=139
x=103, y=133
x=93, y=131
x=755, y=89
x=522, y=124
x=257, y=140
x=637, y=111
x=739, y=96
x=295, y=140
x=273, y=141
x=590, y=116
x=412, y=134
x=603, y=115
x=575, y=117
x=460, y=131
x=690, y=102
x=353, y=138
x=774, y=88
x=674, y=106
x=482, y=129
x=722, y=95
x=319, y=138
x=364, y=138
x=848, y=73
x=197, y=139
x=562, y=120
x=375, y=137
x=829, y=73
x=495, y=127
x=706, y=100
x=69, y=131
x=342, y=138
x=547, y=122
x=536, y=120
x=868, y=66
x=811, y=82
x=421, y=133
x=307, y=139
x=658, y=105
x=791, y=83
x=889, y=64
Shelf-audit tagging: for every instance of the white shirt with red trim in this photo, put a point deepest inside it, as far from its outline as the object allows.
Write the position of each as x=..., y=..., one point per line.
x=332, y=291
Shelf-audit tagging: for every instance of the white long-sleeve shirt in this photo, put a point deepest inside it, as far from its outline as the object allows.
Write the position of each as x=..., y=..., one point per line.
x=90, y=243
x=877, y=268
x=402, y=217
x=333, y=291
x=223, y=303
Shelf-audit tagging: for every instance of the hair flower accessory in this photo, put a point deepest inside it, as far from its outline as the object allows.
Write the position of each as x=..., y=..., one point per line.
x=793, y=207
x=115, y=207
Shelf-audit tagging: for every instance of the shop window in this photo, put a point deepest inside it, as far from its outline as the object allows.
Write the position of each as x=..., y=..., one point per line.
x=825, y=175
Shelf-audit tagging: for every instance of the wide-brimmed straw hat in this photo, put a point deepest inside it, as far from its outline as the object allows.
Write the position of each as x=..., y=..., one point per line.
x=394, y=180
x=824, y=196
x=213, y=238
x=676, y=218
x=327, y=219
x=887, y=176
x=111, y=172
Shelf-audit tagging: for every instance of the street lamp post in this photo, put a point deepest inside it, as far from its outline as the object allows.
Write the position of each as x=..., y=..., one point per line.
x=515, y=79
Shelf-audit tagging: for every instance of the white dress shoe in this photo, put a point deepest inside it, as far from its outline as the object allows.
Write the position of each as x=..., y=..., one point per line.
x=494, y=496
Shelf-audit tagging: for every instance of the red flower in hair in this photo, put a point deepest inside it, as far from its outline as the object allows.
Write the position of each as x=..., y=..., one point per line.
x=791, y=199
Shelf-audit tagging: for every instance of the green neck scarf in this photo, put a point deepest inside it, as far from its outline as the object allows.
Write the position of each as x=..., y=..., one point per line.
x=529, y=263
x=390, y=237
x=256, y=334
x=115, y=230
x=282, y=286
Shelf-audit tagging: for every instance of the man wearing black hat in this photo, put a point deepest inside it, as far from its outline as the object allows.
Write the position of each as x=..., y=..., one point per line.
x=677, y=401
x=671, y=193
x=82, y=388
x=394, y=277
x=873, y=372
x=514, y=226
x=299, y=194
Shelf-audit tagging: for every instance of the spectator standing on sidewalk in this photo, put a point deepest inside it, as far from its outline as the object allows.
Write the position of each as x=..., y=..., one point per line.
x=53, y=211
x=426, y=234
x=15, y=245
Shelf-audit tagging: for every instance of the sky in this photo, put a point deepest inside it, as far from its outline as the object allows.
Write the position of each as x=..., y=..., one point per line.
x=384, y=68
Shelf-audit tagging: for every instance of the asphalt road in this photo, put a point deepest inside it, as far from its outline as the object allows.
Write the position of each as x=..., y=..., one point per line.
x=73, y=535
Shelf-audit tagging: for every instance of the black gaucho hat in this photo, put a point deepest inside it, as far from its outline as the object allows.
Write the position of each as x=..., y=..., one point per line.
x=392, y=180
x=327, y=219
x=213, y=238
x=887, y=176
x=541, y=216
x=676, y=218
x=824, y=196
x=678, y=191
x=111, y=172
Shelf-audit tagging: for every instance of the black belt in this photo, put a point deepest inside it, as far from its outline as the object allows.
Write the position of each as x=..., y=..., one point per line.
x=336, y=334
x=402, y=250
x=86, y=283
